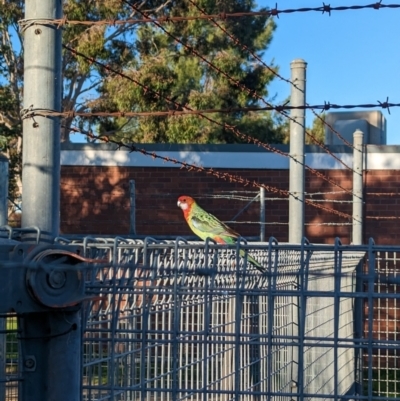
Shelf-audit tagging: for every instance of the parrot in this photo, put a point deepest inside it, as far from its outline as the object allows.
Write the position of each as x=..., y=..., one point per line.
x=205, y=225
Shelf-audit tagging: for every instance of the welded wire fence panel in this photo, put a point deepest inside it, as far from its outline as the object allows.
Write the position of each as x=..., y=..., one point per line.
x=381, y=325
x=9, y=359
x=176, y=320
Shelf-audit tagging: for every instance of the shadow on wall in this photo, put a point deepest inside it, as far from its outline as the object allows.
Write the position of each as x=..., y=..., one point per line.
x=323, y=226
x=95, y=200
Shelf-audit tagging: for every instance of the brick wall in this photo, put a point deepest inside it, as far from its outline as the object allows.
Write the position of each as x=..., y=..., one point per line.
x=95, y=200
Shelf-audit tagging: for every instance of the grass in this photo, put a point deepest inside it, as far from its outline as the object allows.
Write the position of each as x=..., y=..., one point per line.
x=385, y=383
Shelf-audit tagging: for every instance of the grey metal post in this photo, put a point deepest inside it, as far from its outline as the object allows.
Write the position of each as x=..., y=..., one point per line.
x=358, y=140
x=132, y=197
x=3, y=190
x=41, y=139
x=262, y=214
x=296, y=163
x=51, y=349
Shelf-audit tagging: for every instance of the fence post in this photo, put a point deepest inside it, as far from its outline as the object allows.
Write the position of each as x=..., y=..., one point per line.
x=41, y=139
x=132, y=198
x=358, y=141
x=3, y=190
x=262, y=214
x=296, y=162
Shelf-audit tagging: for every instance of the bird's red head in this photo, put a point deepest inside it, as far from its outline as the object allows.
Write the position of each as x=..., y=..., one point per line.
x=185, y=202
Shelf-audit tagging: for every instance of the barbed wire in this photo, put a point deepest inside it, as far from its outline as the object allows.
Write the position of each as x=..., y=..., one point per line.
x=383, y=217
x=382, y=194
x=220, y=175
x=189, y=111
x=235, y=178
x=285, y=224
x=251, y=92
x=223, y=16
x=329, y=126
x=245, y=48
x=26, y=113
x=273, y=12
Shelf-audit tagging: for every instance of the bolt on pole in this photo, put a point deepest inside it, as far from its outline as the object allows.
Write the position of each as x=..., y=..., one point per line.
x=358, y=156
x=41, y=135
x=297, y=160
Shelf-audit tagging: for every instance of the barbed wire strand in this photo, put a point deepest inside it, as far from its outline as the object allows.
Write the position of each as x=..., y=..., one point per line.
x=189, y=111
x=222, y=16
x=285, y=224
x=224, y=125
x=220, y=175
x=383, y=217
x=273, y=12
x=382, y=194
x=251, y=92
x=245, y=48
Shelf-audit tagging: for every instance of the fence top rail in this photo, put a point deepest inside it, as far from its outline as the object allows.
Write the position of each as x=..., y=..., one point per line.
x=243, y=243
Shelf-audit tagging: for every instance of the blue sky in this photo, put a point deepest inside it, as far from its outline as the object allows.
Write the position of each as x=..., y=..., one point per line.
x=353, y=56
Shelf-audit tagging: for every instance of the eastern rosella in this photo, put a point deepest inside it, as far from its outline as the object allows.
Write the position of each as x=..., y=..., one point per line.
x=205, y=225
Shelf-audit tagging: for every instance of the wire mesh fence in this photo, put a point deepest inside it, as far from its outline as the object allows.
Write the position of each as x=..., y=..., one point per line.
x=178, y=320
x=9, y=359
x=185, y=322
x=382, y=325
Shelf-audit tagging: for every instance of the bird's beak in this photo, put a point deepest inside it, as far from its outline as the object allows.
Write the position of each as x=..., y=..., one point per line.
x=179, y=203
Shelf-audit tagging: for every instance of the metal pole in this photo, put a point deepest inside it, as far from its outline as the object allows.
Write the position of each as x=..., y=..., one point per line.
x=51, y=350
x=132, y=197
x=296, y=163
x=41, y=135
x=3, y=190
x=262, y=214
x=358, y=140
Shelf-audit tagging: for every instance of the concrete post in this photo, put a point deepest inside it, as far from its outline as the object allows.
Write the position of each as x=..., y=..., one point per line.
x=358, y=157
x=296, y=163
x=262, y=214
x=41, y=136
x=3, y=190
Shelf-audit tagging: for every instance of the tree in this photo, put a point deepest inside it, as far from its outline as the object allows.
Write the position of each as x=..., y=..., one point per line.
x=80, y=78
x=166, y=61
x=160, y=59
x=317, y=130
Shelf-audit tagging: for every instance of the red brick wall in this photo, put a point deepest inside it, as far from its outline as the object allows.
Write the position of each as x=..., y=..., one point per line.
x=95, y=200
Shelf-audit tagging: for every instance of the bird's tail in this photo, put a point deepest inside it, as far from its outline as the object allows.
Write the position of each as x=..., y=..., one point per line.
x=251, y=260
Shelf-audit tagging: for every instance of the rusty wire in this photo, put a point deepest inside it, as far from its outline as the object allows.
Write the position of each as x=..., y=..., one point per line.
x=245, y=48
x=223, y=16
x=28, y=113
x=273, y=12
x=383, y=217
x=241, y=86
x=253, y=94
x=220, y=175
x=188, y=110
x=382, y=194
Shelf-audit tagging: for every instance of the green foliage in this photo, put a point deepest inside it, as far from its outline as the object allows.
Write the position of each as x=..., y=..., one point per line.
x=317, y=130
